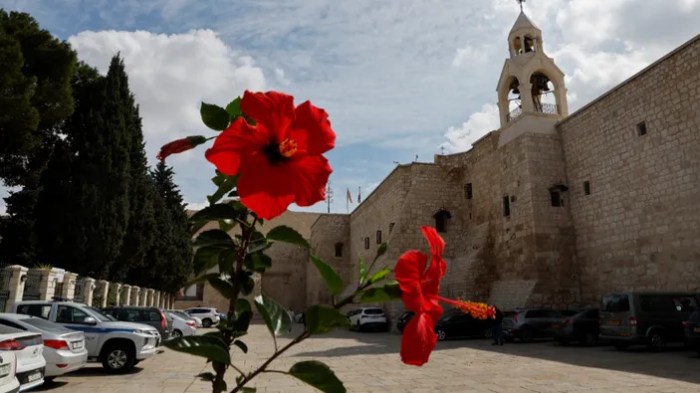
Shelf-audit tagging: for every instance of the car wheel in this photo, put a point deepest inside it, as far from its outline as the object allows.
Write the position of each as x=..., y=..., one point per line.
x=657, y=341
x=589, y=339
x=118, y=359
x=441, y=335
x=176, y=333
x=358, y=327
x=527, y=335
x=620, y=346
x=206, y=322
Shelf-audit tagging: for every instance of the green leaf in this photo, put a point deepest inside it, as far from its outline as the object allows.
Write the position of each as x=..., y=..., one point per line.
x=362, y=271
x=220, y=211
x=227, y=261
x=381, y=294
x=210, y=347
x=240, y=344
x=332, y=280
x=380, y=275
x=243, y=305
x=208, y=376
x=317, y=375
x=242, y=322
x=246, y=282
x=322, y=319
x=214, y=117
x=234, y=109
x=274, y=315
x=214, y=237
x=220, y=386
x=258, y=262
x=246, y=389
x=225, y=187
x=222, y=286
x=205, y=258
x=286, y=234
x=381, y=251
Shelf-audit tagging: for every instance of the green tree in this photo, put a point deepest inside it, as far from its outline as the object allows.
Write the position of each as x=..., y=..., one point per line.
x=35, y=97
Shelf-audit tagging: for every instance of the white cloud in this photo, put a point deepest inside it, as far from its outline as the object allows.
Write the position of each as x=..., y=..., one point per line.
x=171, y=74
x=479, y=124
x=467, y=55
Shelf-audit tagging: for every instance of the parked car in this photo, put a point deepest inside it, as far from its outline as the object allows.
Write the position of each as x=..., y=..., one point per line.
x=27, y=348
x=118, y=345
x=581, y=327
x=648, y=318
x=181, y=326
x=456, y=324
x=691, y=328
x=404, y=319
x=529, y=324
x=8, y=366
x=64, y=349
x=368, y=318
x=186, y=316
x=152, y=316
x=208, y=315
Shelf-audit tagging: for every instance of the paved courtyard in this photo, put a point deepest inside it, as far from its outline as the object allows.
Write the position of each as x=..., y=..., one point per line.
x=369, y=362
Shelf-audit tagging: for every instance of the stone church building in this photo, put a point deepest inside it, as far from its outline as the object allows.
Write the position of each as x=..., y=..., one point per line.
x=552, y=209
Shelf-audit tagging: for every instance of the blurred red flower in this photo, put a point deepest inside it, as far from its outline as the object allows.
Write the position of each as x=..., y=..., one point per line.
x=419, y=292
x=279, y=159
x=180, y=145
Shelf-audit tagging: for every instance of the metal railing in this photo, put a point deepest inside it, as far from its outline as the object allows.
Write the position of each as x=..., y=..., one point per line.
x=515, y=113
x=547, y=108
x=31, y=286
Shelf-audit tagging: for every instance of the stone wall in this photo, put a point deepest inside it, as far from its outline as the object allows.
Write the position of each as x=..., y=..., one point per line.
x=328, y=231
x=640, y=227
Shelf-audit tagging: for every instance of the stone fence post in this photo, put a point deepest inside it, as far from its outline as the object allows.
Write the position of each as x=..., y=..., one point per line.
x=47, y=285
x=126, y=295
x=135, y=295
x=143, y=297
x=114, y=294
x=102, y=292
x=88, y=289
x=156, y=299
x=18, y=275
x=68, y=290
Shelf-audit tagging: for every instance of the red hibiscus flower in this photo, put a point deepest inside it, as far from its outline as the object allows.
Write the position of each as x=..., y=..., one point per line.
x=419, y=292
x=180, y=145
x=279, y=160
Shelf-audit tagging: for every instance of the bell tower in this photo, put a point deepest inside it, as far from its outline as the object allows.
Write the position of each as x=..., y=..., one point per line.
x=531, y=84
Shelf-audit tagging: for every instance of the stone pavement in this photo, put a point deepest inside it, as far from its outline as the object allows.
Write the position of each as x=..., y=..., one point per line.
x=369, y=362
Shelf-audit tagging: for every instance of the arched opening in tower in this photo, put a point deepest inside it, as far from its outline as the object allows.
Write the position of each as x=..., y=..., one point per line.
x=528, y=44
x=543, y=96
x=515, y=107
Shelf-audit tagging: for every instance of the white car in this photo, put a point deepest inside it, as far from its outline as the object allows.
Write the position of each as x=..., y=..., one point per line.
x=208, y=315
x=8, y=380
x=64, y=349
x=184, y=315
x=181, y=326
x=27, y=348
x=368, y=318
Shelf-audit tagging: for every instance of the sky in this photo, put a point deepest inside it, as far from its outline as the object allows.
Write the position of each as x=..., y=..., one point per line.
x=402, y=80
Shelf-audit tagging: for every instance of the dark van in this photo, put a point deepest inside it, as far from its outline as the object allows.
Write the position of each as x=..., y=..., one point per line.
x=649, y=318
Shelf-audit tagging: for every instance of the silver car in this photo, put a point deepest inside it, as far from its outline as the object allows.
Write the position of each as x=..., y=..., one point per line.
x=27, y=348
x=64, y=349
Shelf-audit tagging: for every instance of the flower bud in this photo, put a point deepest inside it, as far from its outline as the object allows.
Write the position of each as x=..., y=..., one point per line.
x=180, y=145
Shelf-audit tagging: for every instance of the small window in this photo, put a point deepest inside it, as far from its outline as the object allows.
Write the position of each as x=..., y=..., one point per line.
x=506, y=206
x=555, y=197
x=441, y=218
x=379, y=237
x=338, y=250
x=391, y=227
x=642, y=129
x=468, y=192
x=586, y=188
x=367, y=243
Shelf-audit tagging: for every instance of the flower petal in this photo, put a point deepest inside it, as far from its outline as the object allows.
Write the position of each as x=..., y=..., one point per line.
x=436, y=242
x=275, y=111
x=310, y=175
x=418, y=340
x=265, y=189
x=238, y=140
x=311, y=129
x=408, y=272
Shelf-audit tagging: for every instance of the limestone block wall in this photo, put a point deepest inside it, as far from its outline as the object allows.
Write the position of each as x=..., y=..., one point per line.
x=640, y=227
x=327, y=231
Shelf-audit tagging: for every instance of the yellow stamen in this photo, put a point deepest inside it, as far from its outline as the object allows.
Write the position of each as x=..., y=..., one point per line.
x=288, y=147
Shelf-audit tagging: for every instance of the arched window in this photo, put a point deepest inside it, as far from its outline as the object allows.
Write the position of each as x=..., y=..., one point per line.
x=441, y=218
x=338, y=250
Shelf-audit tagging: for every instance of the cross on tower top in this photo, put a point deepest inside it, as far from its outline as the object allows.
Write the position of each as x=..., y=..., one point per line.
x=521, y=4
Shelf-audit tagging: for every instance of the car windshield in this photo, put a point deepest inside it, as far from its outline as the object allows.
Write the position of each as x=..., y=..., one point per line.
x=181, y=314
x=374, y=311
x=99, y=315
x=46, y=326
